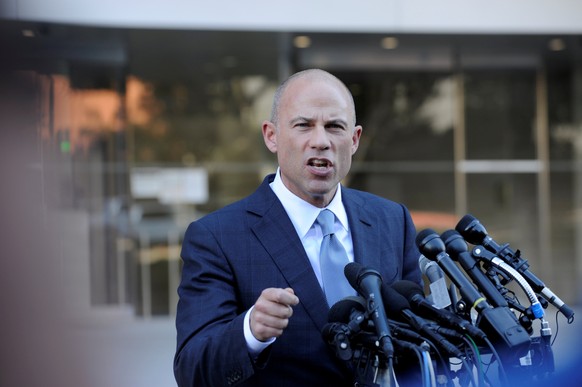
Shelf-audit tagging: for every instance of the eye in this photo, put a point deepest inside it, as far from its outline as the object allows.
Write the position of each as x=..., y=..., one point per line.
x=336, y=127
x=302, y=125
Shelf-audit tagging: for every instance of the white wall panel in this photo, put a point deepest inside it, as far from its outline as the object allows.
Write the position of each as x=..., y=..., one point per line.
x=454, y=16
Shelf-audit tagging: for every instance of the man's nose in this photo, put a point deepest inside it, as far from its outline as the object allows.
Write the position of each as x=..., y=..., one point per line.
x=319, y=137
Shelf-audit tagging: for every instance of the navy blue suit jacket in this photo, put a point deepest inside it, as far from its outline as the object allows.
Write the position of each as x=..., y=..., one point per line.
x=231, y=255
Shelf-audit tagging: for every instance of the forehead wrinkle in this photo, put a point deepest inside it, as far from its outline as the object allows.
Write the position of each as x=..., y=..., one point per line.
x=309, y=119
x=331, y=118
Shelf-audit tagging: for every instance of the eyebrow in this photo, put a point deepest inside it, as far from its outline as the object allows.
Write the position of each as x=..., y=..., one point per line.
x=332, y=121
x=338, y=121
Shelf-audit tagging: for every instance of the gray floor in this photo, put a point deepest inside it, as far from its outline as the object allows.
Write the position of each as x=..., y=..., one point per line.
x=127, y=353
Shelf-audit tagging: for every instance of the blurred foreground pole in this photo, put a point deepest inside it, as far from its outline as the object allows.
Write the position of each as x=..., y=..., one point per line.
x=35, y=349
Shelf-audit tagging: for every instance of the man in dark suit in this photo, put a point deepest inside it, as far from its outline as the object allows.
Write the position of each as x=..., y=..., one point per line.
x=252, y=307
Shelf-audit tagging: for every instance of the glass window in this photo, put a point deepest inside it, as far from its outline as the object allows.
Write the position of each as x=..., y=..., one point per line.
x=406, y=150
x=500, y=114
x=407, y=116
x=195, y=103
x=564, y=140
x=152, y=129
x=506, y=204
x=563, y=231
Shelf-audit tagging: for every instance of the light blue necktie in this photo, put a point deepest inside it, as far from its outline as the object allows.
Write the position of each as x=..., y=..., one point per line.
x=332, y=260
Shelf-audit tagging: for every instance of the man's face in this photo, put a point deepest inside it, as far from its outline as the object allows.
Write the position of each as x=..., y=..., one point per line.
x=315, y=138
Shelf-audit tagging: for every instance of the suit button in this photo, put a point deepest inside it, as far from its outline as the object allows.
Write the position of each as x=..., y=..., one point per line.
x=234, y=377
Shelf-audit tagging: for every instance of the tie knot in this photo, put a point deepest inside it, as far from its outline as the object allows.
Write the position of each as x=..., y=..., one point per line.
x=326, y=219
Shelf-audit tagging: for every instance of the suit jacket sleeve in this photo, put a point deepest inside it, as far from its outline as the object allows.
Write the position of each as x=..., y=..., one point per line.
x=211, y=349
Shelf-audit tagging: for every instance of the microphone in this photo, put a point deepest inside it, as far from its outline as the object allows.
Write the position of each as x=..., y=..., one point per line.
x=350, y=310
x=367, y=283
x=415, y=297
x=475, y=233
x=431, y=270
x=344, y=319
x=338, y=336
x=347, y=309
x=536, y=308
x=399, y=306
x=457, y=249
x=438, y=287
x=432, y=247
x=499, y=323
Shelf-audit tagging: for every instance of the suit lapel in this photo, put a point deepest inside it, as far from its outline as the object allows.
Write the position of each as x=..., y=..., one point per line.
x=279, y=238
x=365, y=231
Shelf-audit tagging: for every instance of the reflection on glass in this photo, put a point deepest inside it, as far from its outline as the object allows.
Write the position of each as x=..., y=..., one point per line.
x=406, y=116
x=190, y=104
x=406, y=150
x=506, y=204
x=500, y=115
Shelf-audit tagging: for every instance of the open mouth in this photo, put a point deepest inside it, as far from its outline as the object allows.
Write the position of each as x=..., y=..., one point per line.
x=321, y=164
x=318, y=163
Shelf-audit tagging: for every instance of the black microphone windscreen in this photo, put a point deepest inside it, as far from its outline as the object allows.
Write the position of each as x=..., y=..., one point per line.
x=423, y=234
x=464, y=223
x=454, y=242
x=430, y=244
x=394, y=302
x=472, y=230
x=352, y=271
x=449, y=234
x=408, y=289
x=341, y=311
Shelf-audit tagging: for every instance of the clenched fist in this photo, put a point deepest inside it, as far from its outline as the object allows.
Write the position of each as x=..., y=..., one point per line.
x=271, y=313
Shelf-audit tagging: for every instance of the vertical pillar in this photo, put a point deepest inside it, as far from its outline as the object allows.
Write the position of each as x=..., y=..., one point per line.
x=543, y=177
x=173, y=269
x=460, y=147
x=577, y=178
x=145, y=262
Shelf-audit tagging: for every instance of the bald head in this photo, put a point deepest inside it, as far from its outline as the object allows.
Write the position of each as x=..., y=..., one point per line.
x=311, y=75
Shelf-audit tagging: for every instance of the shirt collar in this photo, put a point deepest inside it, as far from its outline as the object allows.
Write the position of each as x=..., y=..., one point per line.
x=303, y=214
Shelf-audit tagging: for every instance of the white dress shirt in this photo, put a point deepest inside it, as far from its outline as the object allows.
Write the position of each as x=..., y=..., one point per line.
x=303, y=216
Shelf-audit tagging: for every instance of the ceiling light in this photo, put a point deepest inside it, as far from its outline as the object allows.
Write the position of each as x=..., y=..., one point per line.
x=389, y=42
x=557, y=44
x=302, y=41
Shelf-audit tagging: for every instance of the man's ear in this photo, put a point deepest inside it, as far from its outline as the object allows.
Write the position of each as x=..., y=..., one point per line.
x=270, y=136
x=356, y=138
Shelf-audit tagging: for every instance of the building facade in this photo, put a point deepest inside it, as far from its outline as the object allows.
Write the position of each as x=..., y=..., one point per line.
x=149, y=117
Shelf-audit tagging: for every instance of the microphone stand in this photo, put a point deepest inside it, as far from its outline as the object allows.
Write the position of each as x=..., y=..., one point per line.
x=357, y=341
x=372, y=368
